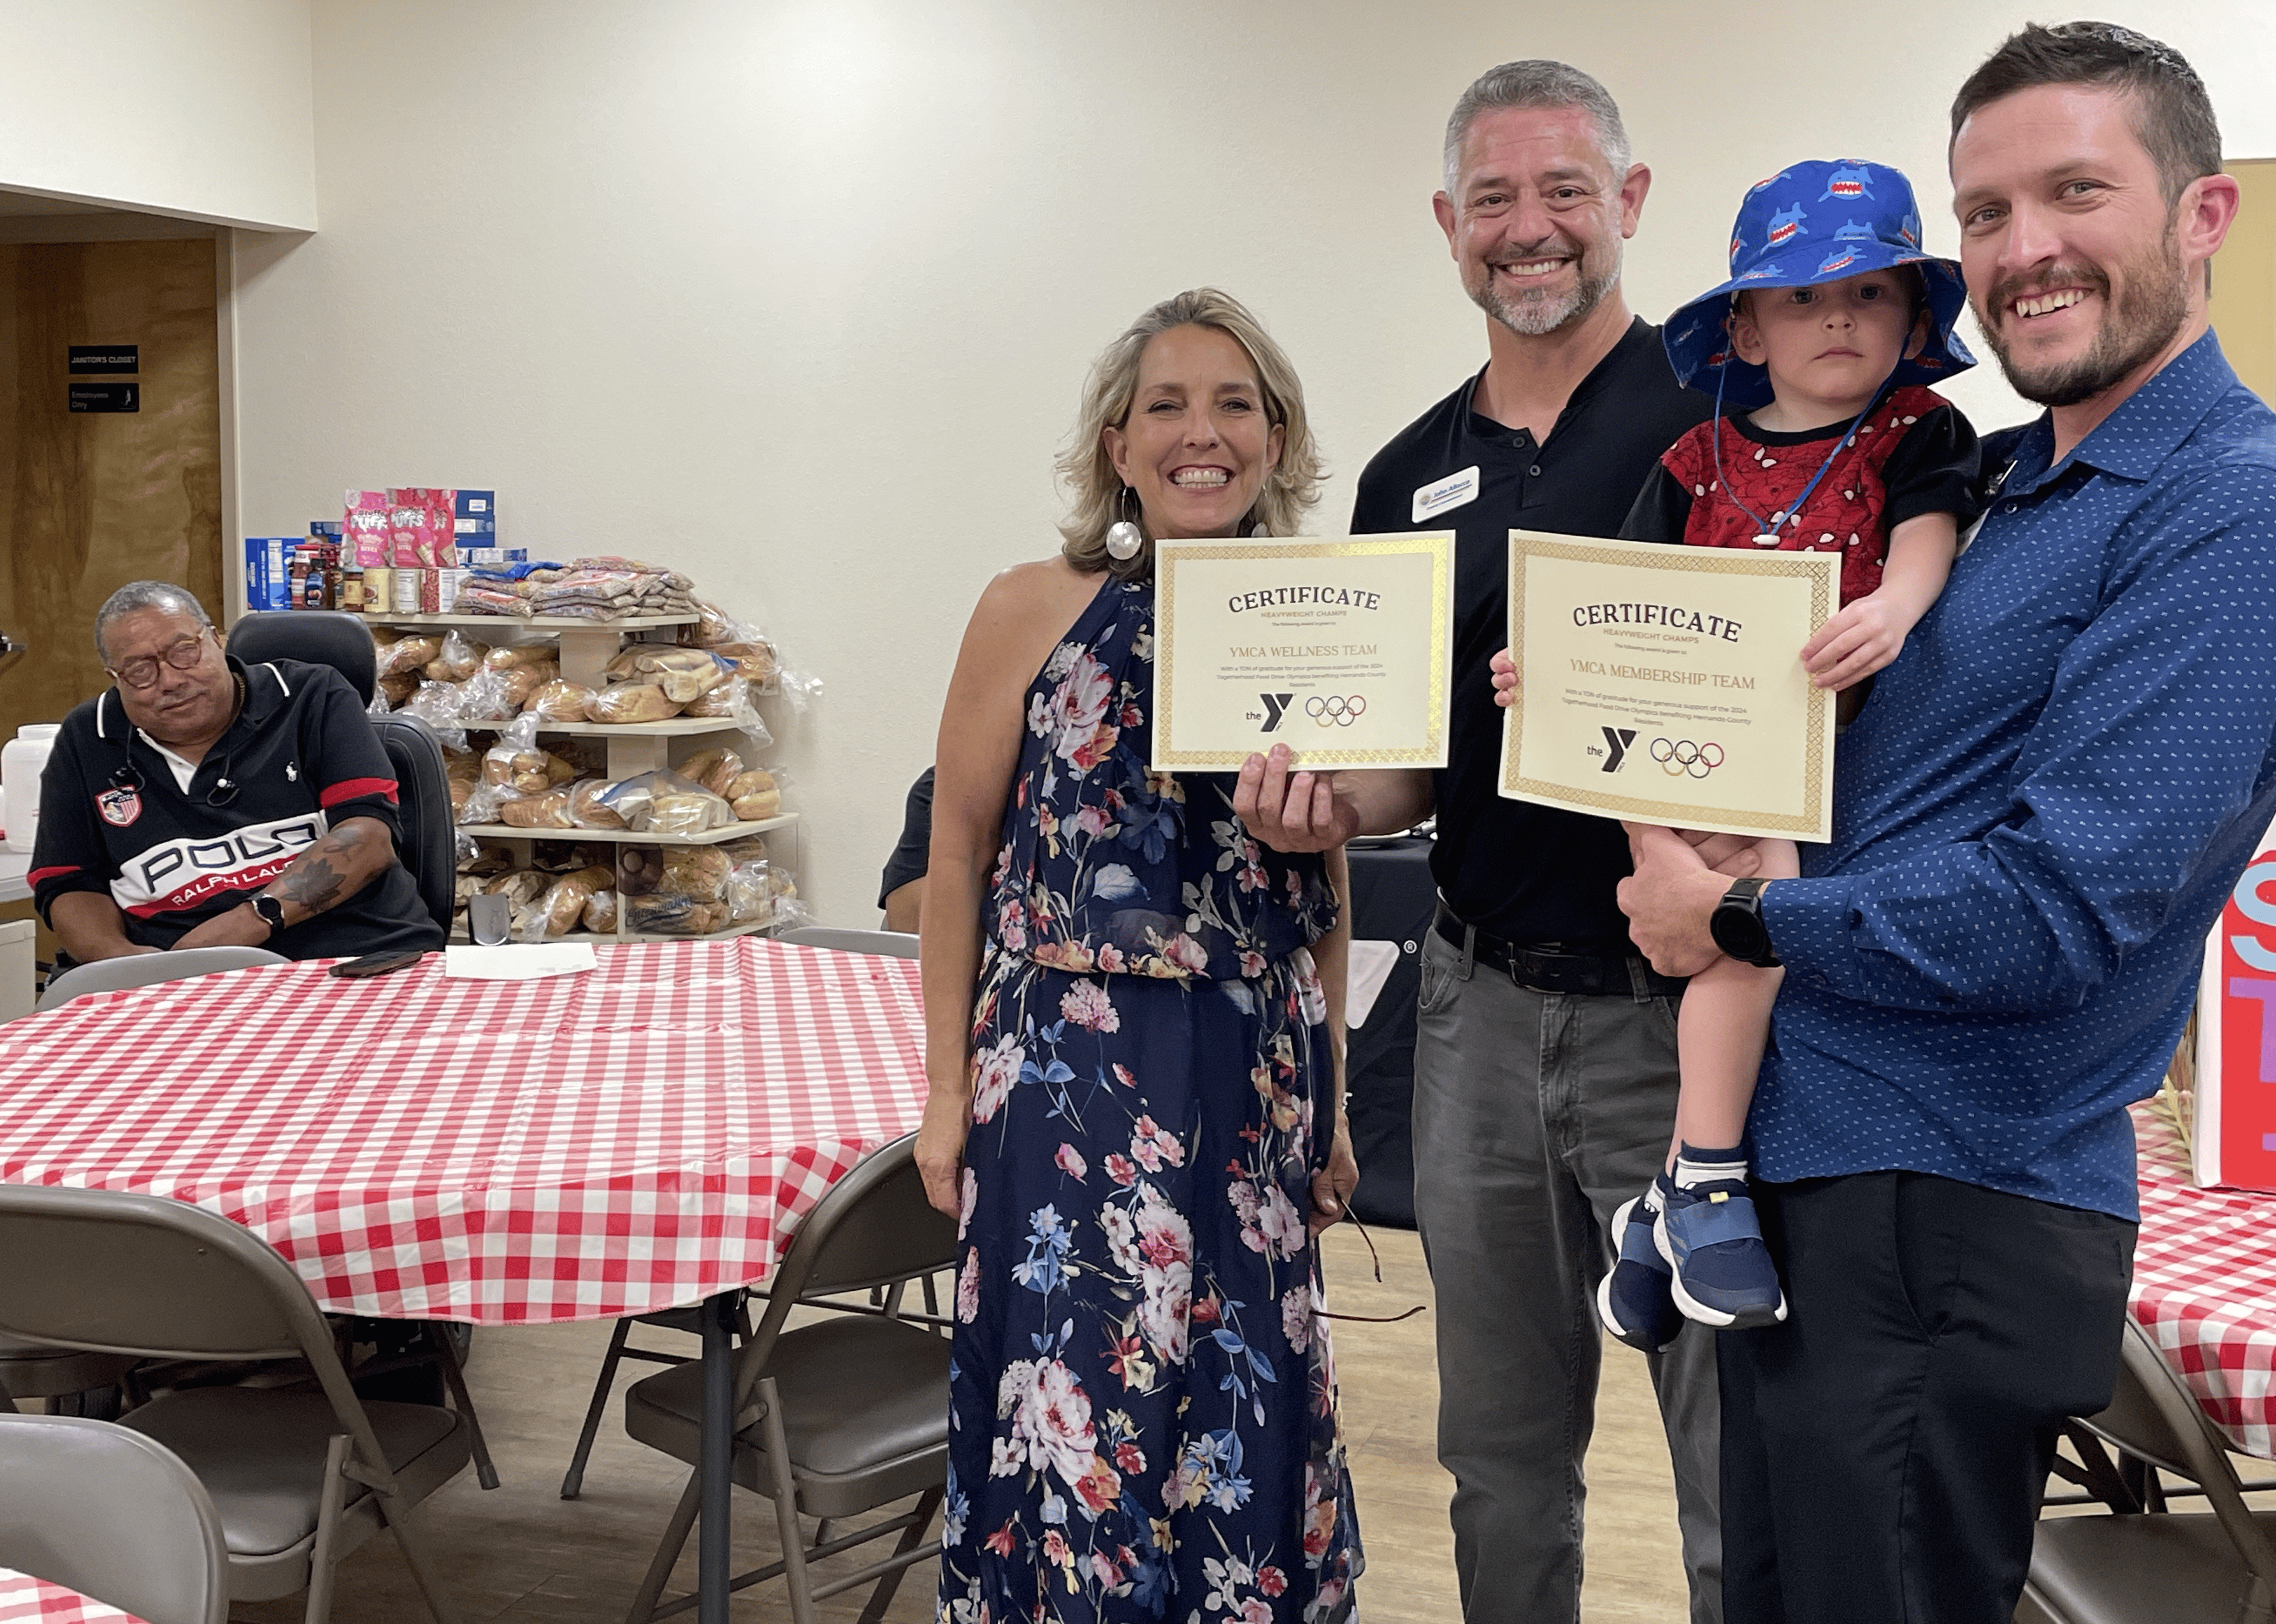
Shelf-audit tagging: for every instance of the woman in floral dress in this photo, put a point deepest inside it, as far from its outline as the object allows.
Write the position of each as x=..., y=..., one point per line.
x=1134, y=1038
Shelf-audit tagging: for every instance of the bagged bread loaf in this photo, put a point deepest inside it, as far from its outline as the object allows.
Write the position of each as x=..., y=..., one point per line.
x=749, y=848
x=458, y=658
x=547, y=809
x=631, y=701
x=588, y=806
x=521, y=681
x=665, y=803
x=406, y=656
x=398, y=688
x=754, y=797
x=683, y=673
x=601, y=912
x=564, y=902
x=560, y=700
x=697, y=872
x=668, y=916
x=520, y=888
x=509, y=656
x=713, y=770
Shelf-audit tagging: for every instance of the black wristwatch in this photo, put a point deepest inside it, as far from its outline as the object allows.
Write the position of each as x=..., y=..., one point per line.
x=1737, y=925
x=272, y=912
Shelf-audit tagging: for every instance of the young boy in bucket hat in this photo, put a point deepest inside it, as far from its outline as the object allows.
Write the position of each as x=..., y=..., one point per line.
x=1819, y=348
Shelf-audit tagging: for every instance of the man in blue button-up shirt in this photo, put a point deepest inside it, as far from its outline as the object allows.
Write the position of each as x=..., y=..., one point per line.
x=2036, y=819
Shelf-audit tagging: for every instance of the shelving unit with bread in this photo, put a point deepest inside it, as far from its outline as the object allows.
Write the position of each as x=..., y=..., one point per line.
x=632, y=747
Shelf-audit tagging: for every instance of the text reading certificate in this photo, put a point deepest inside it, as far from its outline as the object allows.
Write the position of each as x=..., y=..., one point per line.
x=1664, y=684
x=1337, y=646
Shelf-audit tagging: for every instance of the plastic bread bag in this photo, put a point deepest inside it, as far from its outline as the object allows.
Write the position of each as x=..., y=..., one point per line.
x=683, y=674
x=560, y=700
x=483, y=803
x=436, y=704
x=519, y=888
x=601, y=912
x=562, y=905
x=458, y=658
x=801, y=688
x=397, y=690
x=483, y=697
x=754, y=796
x=639, y=868
x=518, y=739
x=407, y=656
x=544, y=810
x=522, y=681
x=665, y=803
x=713, y=770
x=631, y=701
x=588, y=806
x=748, y=899
x=731, y=699
x=746, y=848
x=699, y=873
x=663, y=915
x=508, y=657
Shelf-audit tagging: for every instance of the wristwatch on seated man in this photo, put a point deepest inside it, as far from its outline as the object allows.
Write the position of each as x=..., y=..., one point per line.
x=1737, y=925
x=272, y=913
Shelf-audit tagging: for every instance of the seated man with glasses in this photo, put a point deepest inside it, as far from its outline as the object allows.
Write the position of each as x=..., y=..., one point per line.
x=200, y=803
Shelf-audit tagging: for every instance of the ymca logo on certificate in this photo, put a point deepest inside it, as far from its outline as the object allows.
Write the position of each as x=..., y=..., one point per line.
x=1338, y=646
x=1664, y=684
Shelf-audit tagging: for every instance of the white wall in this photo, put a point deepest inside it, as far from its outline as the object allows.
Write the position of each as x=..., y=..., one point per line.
x=201, y=109
x=799, y=295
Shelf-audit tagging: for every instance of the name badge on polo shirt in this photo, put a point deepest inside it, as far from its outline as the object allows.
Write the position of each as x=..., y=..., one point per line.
x=1455, y=490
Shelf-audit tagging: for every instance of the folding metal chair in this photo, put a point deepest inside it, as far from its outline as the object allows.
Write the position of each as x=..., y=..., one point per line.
x=147, y=970
x=2144, y=1562
x=299, y=1478
x=27, y=1370
x=886, y=943
x=833, y=1419
x=69, y=1486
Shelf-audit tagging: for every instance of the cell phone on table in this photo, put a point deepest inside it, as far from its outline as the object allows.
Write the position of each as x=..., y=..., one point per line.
x=376, y=964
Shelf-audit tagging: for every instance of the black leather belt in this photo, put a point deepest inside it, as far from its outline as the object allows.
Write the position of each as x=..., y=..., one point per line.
x=1541, y=970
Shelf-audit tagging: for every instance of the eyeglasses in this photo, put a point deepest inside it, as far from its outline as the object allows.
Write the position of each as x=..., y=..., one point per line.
x=183, y=654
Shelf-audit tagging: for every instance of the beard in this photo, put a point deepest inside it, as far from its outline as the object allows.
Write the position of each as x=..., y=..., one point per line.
x=2140, y=321
x=1534, y=314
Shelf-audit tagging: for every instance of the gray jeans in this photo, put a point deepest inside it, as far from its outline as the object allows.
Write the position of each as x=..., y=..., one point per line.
x=1536, y=1116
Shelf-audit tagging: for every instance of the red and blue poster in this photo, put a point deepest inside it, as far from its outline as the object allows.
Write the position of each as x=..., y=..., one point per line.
x=2235, y=1142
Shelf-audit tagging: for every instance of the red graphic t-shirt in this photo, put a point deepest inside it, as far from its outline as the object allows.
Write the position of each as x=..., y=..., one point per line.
x=1913, y=454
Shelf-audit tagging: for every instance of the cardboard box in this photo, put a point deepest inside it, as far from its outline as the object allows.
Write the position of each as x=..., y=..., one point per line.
x=475, y=504
x=267, y=585
x=478, y=556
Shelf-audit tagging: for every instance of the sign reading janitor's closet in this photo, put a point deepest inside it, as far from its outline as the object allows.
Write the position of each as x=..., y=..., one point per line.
x=106, y=358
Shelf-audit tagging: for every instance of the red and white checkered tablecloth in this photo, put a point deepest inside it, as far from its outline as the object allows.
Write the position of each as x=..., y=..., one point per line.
x=2204, y=1287
x=26, y=1600
x=582, y=1146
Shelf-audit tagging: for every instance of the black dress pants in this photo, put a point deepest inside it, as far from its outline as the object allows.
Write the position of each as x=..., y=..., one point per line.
x=1885, y=1450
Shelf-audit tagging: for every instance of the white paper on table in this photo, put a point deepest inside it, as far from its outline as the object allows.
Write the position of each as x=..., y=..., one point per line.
x=1371, y=964
x=526, y=962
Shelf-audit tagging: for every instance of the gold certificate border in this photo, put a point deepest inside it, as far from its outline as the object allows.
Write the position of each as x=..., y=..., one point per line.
x=1438, y=544
x=1825, y=585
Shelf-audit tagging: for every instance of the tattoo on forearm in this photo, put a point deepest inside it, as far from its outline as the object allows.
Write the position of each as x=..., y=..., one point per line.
x=313, y=882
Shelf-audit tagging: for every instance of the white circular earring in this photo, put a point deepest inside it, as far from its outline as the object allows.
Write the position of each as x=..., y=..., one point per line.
x=1123, y=540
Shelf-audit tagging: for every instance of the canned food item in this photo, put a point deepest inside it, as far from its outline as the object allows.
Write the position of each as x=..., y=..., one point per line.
x=406, y=591
x=352, y=589
x=378, y=589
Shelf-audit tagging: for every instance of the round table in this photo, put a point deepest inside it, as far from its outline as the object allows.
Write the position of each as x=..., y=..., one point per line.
x=635, y=1137
x=26, y=1600
x=2204, y=1287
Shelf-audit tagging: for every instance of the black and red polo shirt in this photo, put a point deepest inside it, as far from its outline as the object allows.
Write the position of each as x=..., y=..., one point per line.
x=300, y=758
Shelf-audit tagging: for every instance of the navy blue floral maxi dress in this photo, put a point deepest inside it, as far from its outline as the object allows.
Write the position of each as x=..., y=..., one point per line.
x=1143, y=1402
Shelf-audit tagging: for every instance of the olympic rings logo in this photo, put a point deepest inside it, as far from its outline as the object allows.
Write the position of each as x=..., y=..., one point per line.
x=1334, y=711
x=1680, y=758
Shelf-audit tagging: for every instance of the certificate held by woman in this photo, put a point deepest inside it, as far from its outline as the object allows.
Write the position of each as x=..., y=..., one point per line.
x=1338, y=646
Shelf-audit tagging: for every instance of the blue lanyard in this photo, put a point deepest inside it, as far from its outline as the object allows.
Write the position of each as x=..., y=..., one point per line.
x=1766, y=535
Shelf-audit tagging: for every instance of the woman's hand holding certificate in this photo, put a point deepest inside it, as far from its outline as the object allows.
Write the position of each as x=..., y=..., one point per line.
x=1666, y=684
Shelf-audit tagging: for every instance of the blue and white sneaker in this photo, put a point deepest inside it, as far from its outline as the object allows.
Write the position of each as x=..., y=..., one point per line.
x=1722, y=1272
x=1633, y=1298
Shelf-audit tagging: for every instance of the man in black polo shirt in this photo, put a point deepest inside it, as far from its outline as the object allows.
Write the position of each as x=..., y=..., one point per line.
x=1545, y=1068
x=204, y=803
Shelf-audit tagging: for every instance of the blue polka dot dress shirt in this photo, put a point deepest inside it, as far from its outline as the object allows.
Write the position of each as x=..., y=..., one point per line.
x=2039, y=813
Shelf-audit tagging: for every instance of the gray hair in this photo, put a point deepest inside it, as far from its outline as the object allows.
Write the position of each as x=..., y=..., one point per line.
x=163, y=596
x=1536, y=83
x=1288, y=490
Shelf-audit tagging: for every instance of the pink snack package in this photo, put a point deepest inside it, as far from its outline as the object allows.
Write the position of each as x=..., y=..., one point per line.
x=363, y=529
x=422, y=527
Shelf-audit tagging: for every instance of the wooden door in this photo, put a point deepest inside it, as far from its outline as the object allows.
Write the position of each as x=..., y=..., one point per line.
x=90, y=501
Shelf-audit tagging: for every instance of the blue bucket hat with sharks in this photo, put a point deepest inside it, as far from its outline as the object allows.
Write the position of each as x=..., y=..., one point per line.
x=1814, y=223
